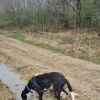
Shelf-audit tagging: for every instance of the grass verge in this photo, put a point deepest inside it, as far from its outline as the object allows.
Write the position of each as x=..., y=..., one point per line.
x=87, y=48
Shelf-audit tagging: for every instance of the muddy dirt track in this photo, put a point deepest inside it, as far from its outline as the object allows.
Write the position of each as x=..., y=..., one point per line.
x=30, y=60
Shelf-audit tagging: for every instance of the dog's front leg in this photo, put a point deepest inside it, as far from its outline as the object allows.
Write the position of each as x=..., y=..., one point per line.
x=39, y=91
x=40, y=96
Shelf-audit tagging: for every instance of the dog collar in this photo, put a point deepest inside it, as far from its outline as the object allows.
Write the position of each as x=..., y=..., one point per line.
x=29, y=89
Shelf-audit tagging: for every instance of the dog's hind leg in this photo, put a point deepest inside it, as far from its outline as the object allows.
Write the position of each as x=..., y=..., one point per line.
x=57, y=95
x=57, y=91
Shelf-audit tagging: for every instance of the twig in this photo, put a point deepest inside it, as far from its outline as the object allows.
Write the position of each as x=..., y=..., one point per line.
x=18, y=69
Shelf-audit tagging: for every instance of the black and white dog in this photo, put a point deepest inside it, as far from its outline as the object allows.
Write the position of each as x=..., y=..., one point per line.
x=44, y=81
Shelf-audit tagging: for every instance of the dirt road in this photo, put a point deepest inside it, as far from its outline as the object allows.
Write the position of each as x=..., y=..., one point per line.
x=30, y=60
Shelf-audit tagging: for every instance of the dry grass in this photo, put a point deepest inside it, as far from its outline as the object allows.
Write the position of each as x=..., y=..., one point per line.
x=5, y=93
x=83, y=45
x=83, y=75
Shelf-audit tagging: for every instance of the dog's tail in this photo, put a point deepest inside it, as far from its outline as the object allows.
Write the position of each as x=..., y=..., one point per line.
x=70, y=90
x=69, y=85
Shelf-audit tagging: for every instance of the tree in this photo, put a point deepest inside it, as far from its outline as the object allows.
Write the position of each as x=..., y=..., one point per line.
x=78, y=13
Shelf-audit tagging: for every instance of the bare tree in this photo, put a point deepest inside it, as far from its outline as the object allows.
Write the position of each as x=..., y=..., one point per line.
x=78, y=13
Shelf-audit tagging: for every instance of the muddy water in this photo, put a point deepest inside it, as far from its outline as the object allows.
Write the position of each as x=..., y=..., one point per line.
x=13, y=81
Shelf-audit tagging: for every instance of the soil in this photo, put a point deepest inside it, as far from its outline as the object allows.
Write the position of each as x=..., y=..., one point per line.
x=5, y=93
x=30, y=60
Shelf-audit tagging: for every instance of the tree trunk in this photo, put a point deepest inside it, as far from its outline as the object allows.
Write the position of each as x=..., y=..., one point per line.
x=78, y=14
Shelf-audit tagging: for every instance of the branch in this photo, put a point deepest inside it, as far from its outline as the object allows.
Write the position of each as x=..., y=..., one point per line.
x=67, y=2
x=70, y=5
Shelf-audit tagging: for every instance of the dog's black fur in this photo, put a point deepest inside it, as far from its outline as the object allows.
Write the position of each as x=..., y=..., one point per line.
x=40, y=82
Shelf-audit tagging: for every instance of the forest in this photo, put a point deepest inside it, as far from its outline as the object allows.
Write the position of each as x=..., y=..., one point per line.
x=50, y=15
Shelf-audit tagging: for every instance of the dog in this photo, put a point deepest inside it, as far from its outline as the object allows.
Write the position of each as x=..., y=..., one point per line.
x=41, y=82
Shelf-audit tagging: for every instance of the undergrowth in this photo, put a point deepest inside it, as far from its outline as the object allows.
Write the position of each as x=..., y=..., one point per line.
x=86, y=46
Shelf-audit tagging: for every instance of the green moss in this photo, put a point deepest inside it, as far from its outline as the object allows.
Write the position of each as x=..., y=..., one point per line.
x=49, y=47
x=18, y=37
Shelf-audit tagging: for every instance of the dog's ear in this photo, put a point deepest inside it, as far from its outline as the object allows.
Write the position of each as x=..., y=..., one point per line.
x=23, y=96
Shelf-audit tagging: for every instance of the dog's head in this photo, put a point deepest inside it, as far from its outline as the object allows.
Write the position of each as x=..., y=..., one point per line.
x=23, y=96
x=26, y=90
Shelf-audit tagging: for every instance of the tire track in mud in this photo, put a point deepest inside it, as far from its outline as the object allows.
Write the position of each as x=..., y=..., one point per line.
x=13, y=81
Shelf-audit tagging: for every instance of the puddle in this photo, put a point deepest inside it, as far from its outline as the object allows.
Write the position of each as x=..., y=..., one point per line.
x=13, y=81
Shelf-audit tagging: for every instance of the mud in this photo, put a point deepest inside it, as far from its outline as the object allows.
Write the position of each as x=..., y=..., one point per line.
x=13, y=81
